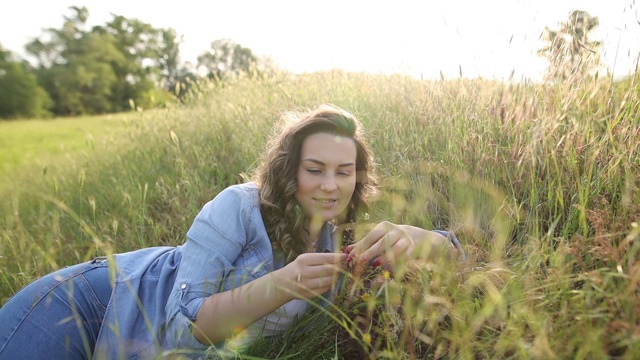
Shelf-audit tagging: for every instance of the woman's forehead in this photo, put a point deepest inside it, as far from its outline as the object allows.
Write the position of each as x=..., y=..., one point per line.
x=327, y=146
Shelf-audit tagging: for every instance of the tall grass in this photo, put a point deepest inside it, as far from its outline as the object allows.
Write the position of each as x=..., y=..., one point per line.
x=540, y=183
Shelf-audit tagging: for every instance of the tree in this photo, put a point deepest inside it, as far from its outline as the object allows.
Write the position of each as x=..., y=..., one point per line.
x=152, y=58
x=168, y=58
x=105, y=68
x=186, y=82
x=76, y=67
x=53, y=47
x=20, y=94
x=109, y=67
x=569, y=49
x=86, y=82
x=226, y=58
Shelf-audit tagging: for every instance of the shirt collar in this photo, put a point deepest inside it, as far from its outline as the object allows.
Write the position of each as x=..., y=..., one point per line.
x=325, y=243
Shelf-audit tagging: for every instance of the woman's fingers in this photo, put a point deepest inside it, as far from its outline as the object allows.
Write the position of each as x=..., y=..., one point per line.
x=386, y=243
x=317, y=282
x=396, y=253
x=373, y=237
x=390, y=245
x=322, y=271
x=319, y=259
x=362, y=249
x=315, y=273
x=387, y=246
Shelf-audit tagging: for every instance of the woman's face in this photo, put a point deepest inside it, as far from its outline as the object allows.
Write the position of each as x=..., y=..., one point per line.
x=326, y=177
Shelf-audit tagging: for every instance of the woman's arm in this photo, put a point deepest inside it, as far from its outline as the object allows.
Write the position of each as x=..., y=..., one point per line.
x=222, y=315
x=430, y=245
x=200, y=310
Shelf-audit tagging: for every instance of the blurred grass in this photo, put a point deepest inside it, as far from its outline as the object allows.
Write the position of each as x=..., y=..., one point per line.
x=538, y=181
x=40, y=146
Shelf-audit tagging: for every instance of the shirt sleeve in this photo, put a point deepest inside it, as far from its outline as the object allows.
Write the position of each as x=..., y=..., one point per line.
x=462, y=257
x=214, y=241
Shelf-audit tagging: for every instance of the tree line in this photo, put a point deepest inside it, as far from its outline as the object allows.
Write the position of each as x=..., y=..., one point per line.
x=128, y=64
x=123, y=64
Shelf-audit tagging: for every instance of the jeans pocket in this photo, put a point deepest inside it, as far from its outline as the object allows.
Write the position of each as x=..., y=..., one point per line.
x=96, y=279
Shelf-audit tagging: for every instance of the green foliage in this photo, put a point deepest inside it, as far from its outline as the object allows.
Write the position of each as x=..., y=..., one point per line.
x=103, y=69
x=539, y=182
x=569, y=50
x=151, y=59
x=20, y=94
x=109, y=67
x=226, y=58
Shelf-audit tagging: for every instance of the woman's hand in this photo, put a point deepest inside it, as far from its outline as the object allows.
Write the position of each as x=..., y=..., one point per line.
x=386, y=243
x=312, y=274
x=309, y=275
x=391, y=244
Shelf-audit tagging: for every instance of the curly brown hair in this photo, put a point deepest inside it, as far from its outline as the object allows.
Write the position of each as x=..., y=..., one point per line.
x=276, y=175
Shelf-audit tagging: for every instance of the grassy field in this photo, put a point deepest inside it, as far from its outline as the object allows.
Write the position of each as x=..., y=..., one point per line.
x=39, y=146
x=540, y=183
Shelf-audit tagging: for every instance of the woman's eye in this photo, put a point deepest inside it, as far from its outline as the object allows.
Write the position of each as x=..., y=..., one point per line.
x=344, y=173
x=314, y=171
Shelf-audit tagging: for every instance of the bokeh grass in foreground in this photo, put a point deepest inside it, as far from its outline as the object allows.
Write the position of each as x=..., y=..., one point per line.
x=539, y=182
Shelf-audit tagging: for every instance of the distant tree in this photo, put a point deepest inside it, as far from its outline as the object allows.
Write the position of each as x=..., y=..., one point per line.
x=569, y=49
x=168, y=58
x=152, y=59
x=125, y=61
x=105, y=68
x=20, y=94
x=186, y=82
x=52, y=47
x=226, y=58
x=85, y=82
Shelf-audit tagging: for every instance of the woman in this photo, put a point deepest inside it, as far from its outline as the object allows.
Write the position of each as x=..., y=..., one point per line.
x=253, y=257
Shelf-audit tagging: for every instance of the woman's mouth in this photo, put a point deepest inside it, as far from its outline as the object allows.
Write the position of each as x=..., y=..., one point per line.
x=327, y=202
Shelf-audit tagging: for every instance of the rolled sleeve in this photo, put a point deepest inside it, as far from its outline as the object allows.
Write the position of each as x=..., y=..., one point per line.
x=179, y=335
x=191, y=308
x=207, y=259
x=462, y=257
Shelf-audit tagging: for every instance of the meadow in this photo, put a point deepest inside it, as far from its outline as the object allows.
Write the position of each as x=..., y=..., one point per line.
x=539, y=182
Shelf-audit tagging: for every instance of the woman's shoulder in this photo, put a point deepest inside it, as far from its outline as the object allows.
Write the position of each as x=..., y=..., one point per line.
x=234, y=200
x=237, y=192
x=243, y=195
x=247, y=188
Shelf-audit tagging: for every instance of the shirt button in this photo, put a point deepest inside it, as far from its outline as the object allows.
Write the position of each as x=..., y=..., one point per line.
x=183, y=286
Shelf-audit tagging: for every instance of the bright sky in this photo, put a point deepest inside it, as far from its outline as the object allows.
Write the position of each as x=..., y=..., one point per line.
x=489, y=38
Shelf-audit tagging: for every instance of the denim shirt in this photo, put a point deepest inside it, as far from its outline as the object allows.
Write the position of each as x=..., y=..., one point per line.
x=158, y=291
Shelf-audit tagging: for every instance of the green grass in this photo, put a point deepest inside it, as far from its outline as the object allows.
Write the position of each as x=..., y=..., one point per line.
x=38, y=146
x=539, y=183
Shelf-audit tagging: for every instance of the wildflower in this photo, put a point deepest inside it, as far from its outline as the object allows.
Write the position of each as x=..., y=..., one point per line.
x=386, y=274
x=365, y=297
x=366, y=338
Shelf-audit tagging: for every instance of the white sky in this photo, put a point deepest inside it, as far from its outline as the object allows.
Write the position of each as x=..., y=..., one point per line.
x=488, y=38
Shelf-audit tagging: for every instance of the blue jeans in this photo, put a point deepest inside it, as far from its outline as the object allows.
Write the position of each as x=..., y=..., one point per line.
x=57, y=316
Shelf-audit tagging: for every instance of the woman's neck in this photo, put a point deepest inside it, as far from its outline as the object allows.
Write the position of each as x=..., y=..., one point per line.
x=314, y=234
x=314, y=230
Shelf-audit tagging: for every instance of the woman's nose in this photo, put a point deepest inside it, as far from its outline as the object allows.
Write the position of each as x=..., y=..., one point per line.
x=328, y=183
